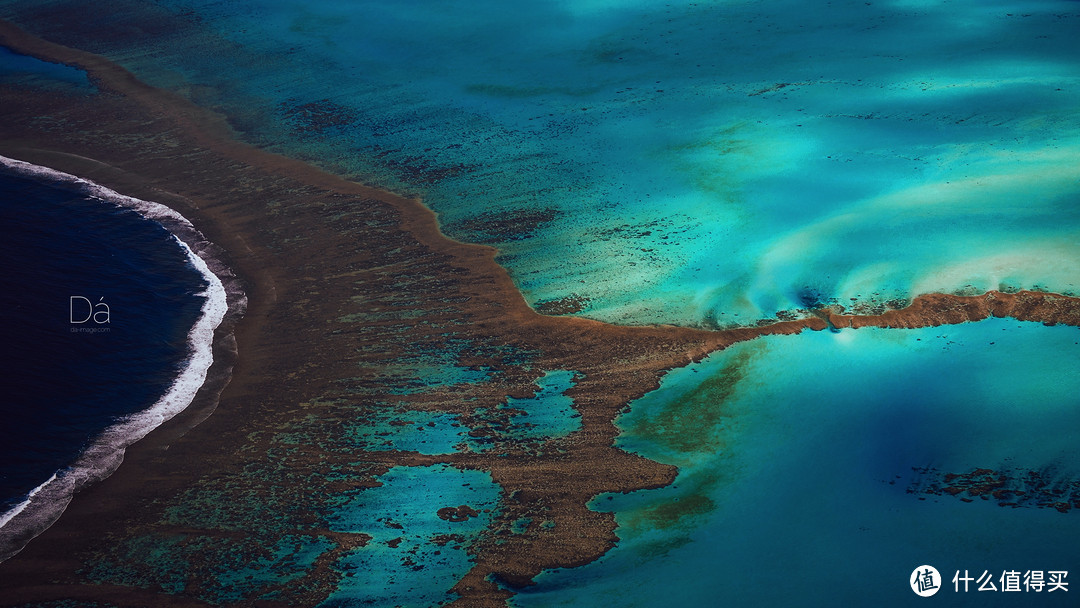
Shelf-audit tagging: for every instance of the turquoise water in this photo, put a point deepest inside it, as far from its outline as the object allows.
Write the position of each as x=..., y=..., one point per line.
x=412, y=431
x=797, y=454
x=547, y=414
x=693, y=163
x=414, y=556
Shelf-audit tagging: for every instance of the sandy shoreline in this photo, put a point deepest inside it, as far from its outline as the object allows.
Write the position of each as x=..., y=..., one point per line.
x=312, y=249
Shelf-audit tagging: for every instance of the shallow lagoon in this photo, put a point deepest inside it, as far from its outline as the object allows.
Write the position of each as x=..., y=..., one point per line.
x=416, y=552
x=696, y=163
x=547, y=414
x=804, y=467
x=713, y=163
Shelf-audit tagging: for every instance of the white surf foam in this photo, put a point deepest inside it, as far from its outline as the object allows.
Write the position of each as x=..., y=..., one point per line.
x=44, y=504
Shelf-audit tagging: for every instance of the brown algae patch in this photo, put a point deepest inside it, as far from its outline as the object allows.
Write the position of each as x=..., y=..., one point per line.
x=693, y=420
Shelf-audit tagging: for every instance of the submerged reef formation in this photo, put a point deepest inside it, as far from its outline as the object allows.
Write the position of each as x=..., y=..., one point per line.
x=399, y=424
x=363, y=321
x=1016, y=489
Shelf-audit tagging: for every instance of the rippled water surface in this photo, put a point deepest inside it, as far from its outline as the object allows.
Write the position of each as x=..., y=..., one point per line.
x=693, y=163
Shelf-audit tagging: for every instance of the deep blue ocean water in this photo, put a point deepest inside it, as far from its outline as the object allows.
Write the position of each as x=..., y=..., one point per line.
x=21, y=68
x=66, y=382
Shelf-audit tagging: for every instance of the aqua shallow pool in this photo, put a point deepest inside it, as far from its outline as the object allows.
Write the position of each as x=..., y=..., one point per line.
x=417, y=551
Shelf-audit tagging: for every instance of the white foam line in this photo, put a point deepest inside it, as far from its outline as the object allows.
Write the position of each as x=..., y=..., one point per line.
x=19, y=525
x=6, y=517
